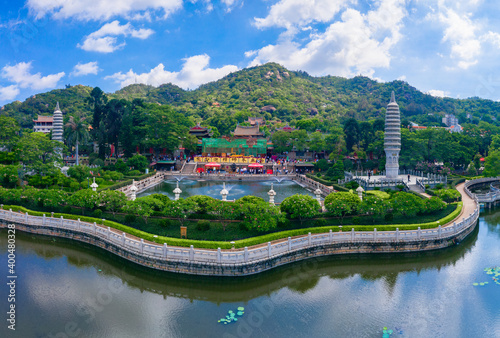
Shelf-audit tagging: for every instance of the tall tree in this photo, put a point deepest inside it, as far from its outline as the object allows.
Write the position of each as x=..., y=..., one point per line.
x=352, y=133
x=39, y=153
x=76, y=131
x=97, y=101
x=114, y=112
x=9, y=132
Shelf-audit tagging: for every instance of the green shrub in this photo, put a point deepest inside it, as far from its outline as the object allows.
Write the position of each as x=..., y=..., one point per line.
x=352, y=185
x=166, y=222
x=134, y=173
x=439, y=186
x=67, y=209
x=97, y=213
x=320, y=222
x=376, y=188
x=130, y=218
x=355, y=220
x=389, y=217
x=203, y=226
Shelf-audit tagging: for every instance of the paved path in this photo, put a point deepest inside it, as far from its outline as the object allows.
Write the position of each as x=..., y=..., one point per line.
x=468, y=204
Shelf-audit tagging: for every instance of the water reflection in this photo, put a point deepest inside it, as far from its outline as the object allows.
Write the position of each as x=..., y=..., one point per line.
x=427, y=294
x=283, y=188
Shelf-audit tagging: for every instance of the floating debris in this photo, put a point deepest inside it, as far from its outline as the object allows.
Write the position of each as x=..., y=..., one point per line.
x=232, y=316
x=494, y=272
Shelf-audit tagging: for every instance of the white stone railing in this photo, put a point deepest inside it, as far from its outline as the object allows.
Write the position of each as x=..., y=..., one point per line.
x=239, y=256
x=489, y=197
x=144, y=184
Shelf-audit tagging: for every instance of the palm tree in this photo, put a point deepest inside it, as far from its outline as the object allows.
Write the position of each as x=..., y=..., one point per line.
x=76, y=132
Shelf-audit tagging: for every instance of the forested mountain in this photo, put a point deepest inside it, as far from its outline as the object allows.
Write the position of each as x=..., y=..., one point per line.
x=271, y=91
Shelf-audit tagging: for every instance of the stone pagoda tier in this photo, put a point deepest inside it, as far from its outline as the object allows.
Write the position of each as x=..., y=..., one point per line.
x=392, y=141
x=57, y=129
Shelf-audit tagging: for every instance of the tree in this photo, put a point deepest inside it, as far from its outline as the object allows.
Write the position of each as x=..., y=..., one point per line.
x=260, y=216
x=341, y=204
x=114, y=112
x=336, y=172
x=434, y=204
x=317, y=142
x=181, y=209
x=223, y=210
x=97, y=101
x=9, y=175
x=138, y=162
x=79, y=172
x=406, y=204
x=85, y=199
x=492, y=164
x=39, y=154
x=352, y=133
x=143, y=206
x=373, y=206
x=112, y=200
x=9, y=132
x=301, y=207
x=76, y=131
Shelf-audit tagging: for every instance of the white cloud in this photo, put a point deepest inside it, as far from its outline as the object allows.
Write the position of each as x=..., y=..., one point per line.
x=85, y=69
x=194, y=72
x=356, y=44
x=493, y=38
x=9, y=93
x=21, y=75
x=438, y=93
x=460, y=32
x=104, y=40
x=291, y=13
x=102, y=9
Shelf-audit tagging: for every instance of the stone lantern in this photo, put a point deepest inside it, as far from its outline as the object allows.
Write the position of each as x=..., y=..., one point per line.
x=177, y=192
x=317, y=192
x=224, y=192
x=133, y=189
x=94, y=186
x=271, y=194
x=360, y=192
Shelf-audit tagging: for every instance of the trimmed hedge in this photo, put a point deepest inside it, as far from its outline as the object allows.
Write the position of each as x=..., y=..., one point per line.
x=244, y=242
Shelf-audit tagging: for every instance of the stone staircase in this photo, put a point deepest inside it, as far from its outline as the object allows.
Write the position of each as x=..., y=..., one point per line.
x=189, y=168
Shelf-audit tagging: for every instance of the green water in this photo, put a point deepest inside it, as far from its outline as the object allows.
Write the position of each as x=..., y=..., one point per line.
x=67, y=289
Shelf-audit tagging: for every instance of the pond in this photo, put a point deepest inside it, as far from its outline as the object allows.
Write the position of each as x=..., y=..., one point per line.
x=68, y=289
x=236, y=189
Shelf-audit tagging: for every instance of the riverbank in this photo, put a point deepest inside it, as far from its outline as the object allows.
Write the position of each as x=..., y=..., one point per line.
x=256, y=258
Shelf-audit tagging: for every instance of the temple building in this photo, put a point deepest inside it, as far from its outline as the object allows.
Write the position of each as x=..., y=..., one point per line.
x=255, y=120
x=200, y=132
x=57, y=130
x=43, y=124
x=287, y=128
x=247, y=132
x=392, y=141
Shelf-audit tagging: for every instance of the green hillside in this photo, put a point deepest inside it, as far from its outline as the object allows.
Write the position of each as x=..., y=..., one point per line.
x=273, y=92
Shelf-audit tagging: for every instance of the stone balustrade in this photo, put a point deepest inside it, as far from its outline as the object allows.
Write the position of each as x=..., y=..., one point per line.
x=241, y=261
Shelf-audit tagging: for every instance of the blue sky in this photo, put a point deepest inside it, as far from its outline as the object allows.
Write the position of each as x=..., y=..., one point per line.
x=443, y=47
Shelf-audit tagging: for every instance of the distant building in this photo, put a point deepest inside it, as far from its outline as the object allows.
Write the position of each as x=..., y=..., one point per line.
x=200, y=132
x=452, y=124
x=455, y=129
x=43, y=124
x=247, y=132
x=450, y=120
x=287, y=128
x=255, y=120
